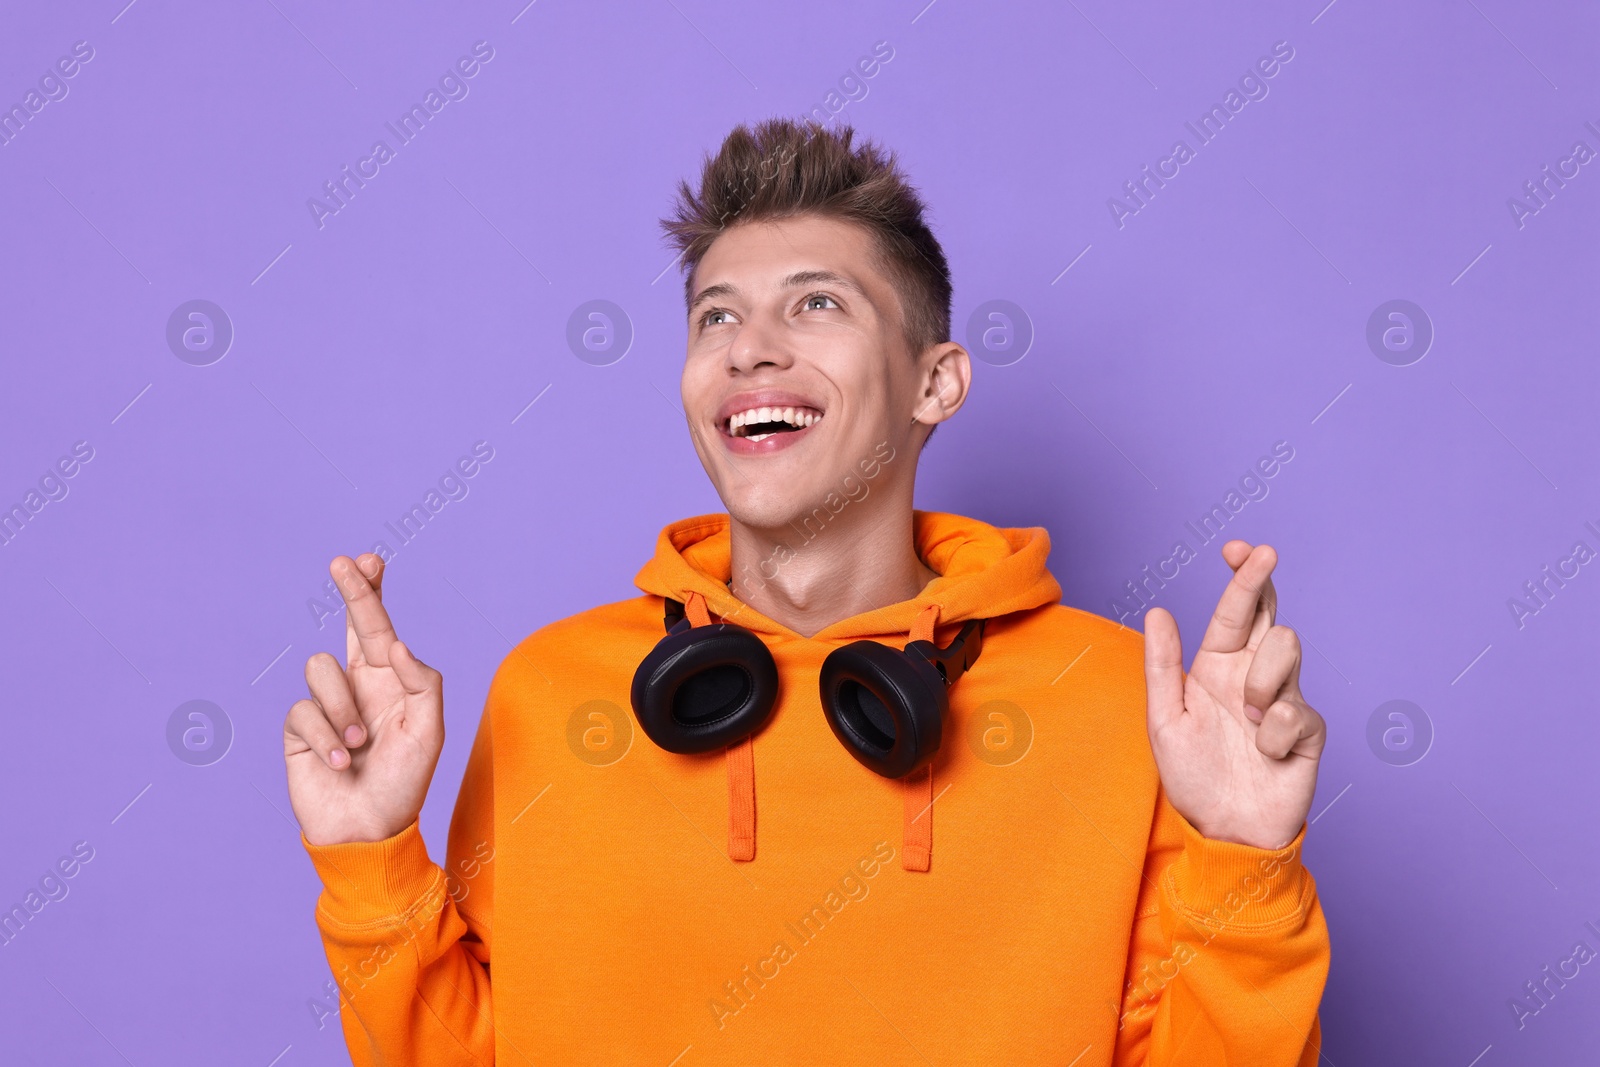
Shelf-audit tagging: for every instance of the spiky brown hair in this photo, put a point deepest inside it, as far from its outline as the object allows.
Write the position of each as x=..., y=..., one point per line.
x=783, y=168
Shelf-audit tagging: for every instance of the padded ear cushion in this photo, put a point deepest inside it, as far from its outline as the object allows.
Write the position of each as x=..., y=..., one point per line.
x=885, y=706
x=705, y=687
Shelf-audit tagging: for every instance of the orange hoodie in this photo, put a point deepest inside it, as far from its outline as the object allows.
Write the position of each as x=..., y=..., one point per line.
x=1048, y=906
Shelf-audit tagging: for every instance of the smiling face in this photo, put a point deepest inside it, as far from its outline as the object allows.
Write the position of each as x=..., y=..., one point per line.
x=798, y=370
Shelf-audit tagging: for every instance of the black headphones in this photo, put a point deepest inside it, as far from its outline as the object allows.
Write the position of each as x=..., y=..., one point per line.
x=704, y=687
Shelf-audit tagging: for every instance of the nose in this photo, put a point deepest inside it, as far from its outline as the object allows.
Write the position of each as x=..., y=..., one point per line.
x=759, y=342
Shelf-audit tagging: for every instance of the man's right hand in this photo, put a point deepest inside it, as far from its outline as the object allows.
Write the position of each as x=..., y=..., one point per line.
x=361, y=751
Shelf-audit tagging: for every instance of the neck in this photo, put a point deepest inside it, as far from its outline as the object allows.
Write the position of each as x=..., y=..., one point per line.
x=810, y=574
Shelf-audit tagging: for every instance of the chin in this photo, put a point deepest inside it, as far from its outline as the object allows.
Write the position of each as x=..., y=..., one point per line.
x=766, y=507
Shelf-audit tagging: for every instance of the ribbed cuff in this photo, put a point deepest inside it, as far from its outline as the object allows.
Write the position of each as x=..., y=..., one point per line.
x=1228, y=885
x=368, y=881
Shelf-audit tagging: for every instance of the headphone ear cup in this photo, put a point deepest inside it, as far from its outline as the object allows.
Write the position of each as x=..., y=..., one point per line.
x=885, y=706
x=705, y=687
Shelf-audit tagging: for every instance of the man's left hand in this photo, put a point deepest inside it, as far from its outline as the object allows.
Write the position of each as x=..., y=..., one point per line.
x=1235, y=742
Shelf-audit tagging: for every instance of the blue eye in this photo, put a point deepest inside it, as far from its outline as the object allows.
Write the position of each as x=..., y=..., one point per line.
x=705, y=319
x=820, y=296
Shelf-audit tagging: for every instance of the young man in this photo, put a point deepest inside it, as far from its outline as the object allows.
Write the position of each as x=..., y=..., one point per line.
x=1117, y=878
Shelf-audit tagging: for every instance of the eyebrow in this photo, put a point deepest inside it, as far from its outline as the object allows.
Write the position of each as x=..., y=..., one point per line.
x=794, y=280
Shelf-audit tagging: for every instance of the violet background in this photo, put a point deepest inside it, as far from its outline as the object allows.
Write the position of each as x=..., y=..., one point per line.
x=1228, y=314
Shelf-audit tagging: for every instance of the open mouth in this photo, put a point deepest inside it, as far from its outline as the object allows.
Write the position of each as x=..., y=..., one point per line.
x=758, y=424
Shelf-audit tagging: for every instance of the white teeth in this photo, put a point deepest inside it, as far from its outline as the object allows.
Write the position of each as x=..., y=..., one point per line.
x=797, y=417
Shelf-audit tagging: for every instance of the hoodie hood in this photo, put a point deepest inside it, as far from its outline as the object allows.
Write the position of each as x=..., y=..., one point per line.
x=984, y=572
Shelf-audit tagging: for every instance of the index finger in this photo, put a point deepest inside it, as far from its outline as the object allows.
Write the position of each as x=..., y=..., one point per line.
x=1248, y=605
x=371, y=565
x=1267, y=610
x=369, y=633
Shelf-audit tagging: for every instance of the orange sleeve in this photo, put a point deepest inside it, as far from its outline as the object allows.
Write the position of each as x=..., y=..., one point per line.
x=1229, y=954
x=409, y=940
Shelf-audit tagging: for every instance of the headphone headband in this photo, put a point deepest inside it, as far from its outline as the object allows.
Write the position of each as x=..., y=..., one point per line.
x=951, y=661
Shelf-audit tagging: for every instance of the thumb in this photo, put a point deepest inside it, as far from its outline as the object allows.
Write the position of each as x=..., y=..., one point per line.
x=1163, y=669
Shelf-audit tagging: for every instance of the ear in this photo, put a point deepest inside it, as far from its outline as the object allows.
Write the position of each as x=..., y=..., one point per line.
x=945, y=376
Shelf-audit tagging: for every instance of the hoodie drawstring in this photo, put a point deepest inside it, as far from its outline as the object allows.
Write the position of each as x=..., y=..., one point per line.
x=916, y=834
x=742, y=800
x=741, y=765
